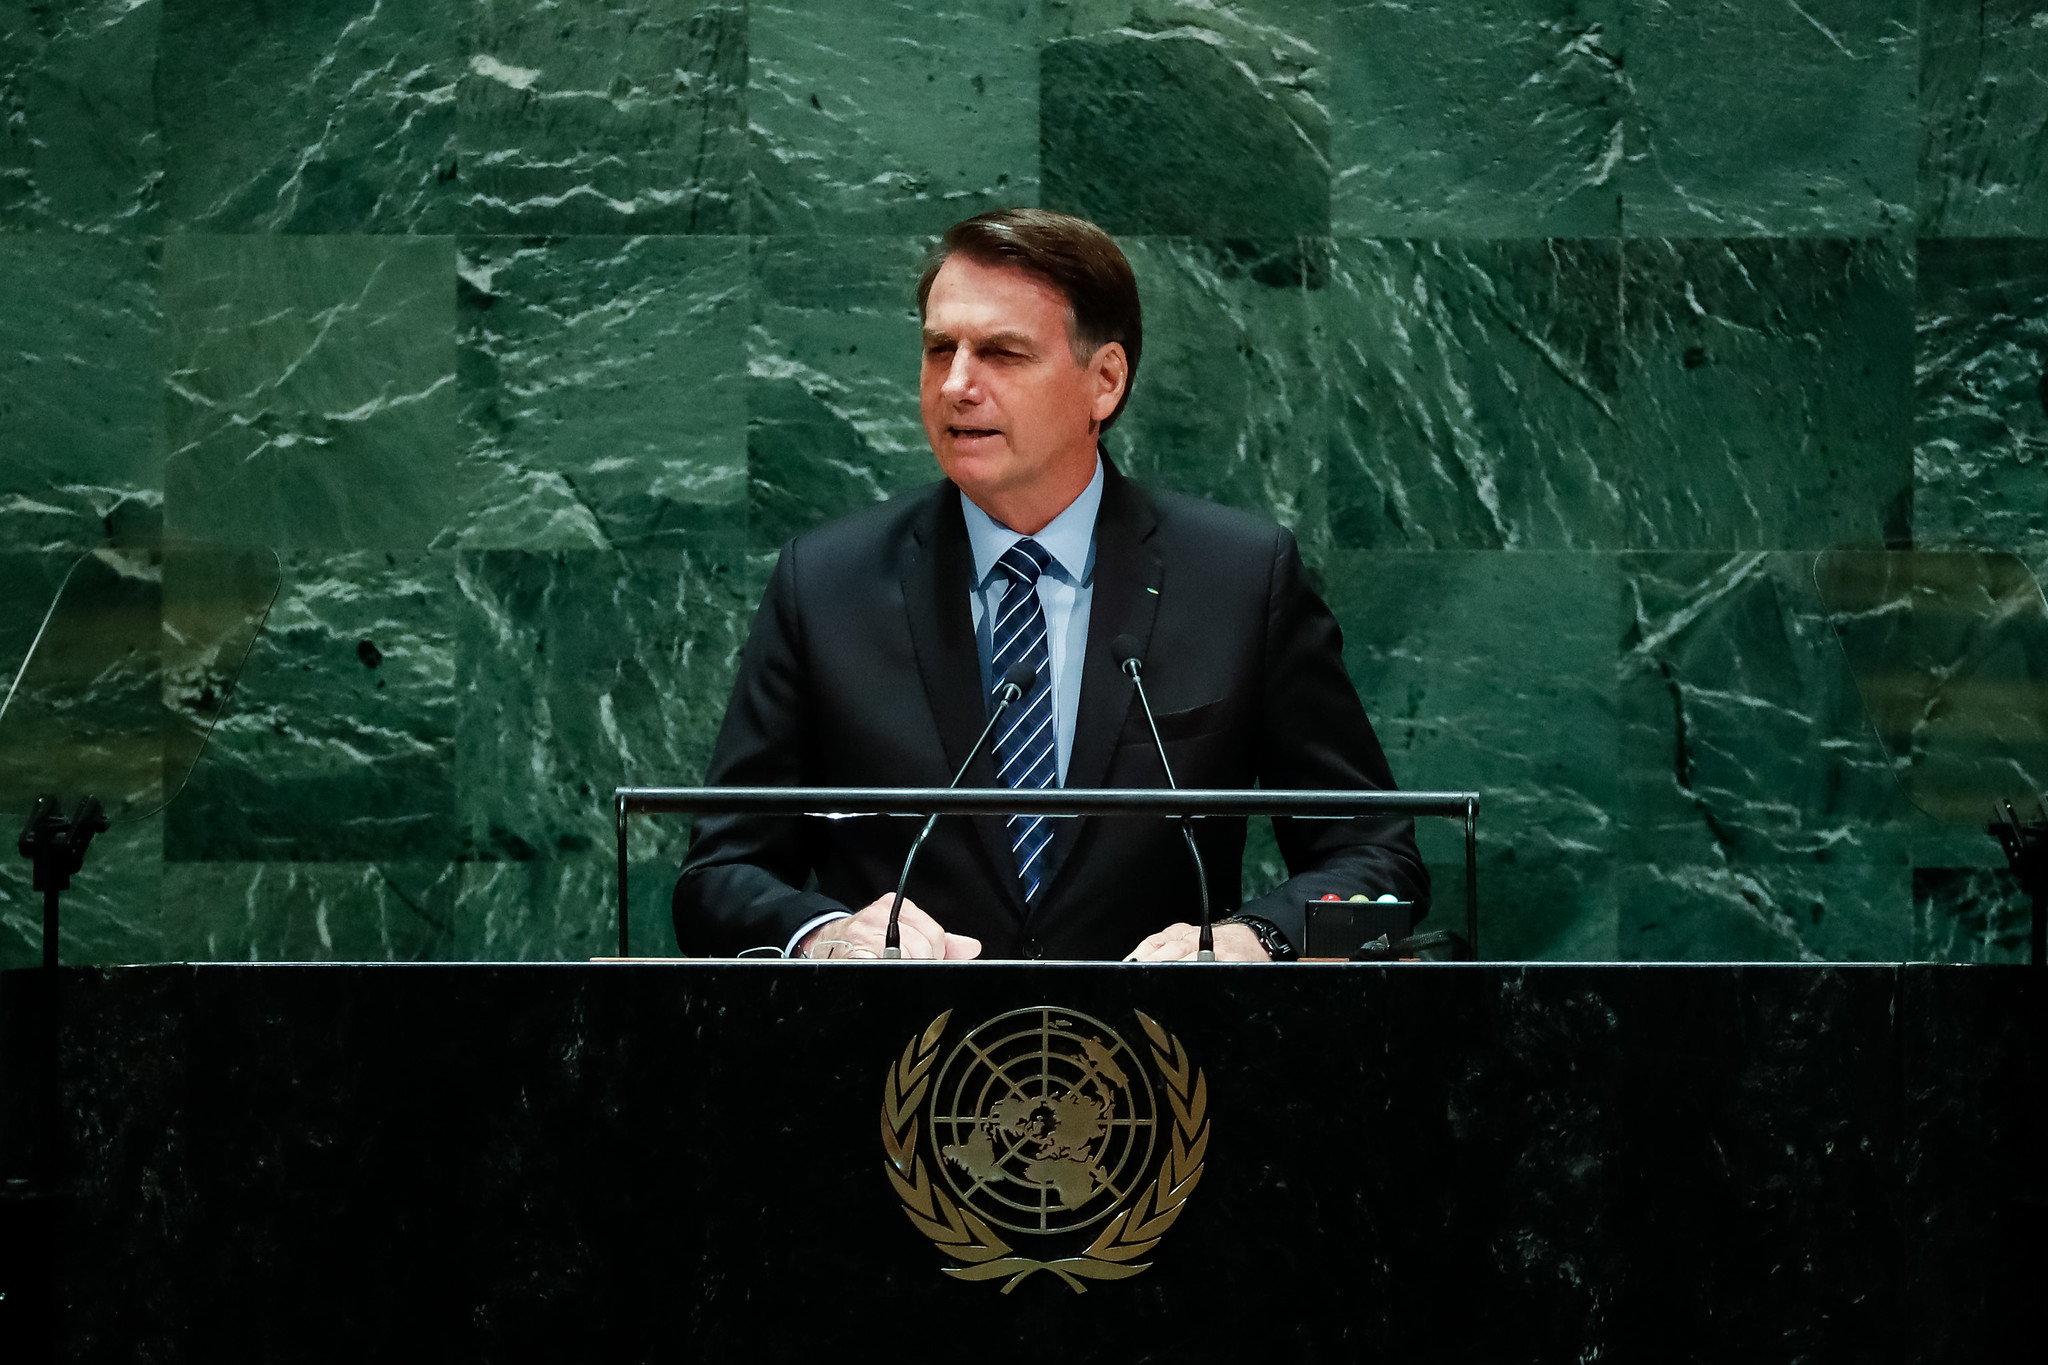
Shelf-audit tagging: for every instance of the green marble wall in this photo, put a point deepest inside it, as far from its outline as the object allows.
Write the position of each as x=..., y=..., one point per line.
x=1561, y=332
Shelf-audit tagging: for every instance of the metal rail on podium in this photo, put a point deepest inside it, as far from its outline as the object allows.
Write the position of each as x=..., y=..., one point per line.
x=1166, y=804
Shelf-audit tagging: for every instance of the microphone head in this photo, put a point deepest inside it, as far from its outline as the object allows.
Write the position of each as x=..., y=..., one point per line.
x=1124, y=649
x=1021, y=676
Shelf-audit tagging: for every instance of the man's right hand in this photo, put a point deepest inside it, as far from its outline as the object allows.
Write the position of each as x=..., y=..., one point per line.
x=861, y=935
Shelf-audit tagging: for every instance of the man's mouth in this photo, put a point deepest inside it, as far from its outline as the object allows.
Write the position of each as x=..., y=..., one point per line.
x=971, y=433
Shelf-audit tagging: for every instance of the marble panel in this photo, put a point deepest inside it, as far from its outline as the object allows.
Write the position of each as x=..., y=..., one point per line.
x=562, y=909
x=1771, y=120
x=1983, y=118
x=1743, y=740
x=1228, y=402
x=312, y=391
x=604, y=116
x=309, y=912
x=1501, y=118
x=125, y=1151
x=584, y=670
x=1776, y=1092
x=1476, y=397
x=895, y=117
x=1980, y=414
x=79, y=148
x=1972, y=1055
x=1184, y=117
x=602, y=391
x=184, y=1123
x=1495, y=672
x=832, y=416
x=1969, y=914
x=109, y=915
x=1759, y=1163
x=340, y=384
x=81, y=359
x=1765, y=389
x=1719, y=911
x=339, y=743
x=29, y=582
x=336, y=117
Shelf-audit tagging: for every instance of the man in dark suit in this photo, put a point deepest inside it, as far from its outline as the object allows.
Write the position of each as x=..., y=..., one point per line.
x=884, y=636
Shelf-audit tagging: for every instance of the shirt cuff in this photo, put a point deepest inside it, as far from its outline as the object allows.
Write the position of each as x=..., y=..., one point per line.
x=789, y=949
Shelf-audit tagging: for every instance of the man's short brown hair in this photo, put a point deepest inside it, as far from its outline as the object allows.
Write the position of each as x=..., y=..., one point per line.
x=1073, y=256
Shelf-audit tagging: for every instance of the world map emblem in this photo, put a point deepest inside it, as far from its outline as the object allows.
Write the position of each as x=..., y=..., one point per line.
x=1046, y=1124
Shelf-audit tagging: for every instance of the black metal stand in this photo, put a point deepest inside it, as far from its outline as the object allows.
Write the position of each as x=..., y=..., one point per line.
x=2026, y=850
x=57, y=847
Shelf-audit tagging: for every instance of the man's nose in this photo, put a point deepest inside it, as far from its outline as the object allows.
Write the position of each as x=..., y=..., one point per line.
x=960, y=382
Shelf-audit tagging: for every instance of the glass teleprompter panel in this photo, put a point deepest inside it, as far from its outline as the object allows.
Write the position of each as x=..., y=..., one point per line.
x=1949, y=650
x=132, y=666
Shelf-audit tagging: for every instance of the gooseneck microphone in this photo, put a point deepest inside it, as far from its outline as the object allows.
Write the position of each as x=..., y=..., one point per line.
x=1124, y=649
x=1016, y=684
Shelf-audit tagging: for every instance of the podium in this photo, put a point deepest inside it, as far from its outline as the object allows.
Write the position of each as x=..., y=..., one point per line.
x=1403, y=1161
x=780, y=1160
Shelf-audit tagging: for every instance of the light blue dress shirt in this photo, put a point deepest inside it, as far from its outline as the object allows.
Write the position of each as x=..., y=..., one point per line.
x=1065, y=590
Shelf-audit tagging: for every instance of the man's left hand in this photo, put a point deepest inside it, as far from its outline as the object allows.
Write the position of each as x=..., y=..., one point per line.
x=1234, y=943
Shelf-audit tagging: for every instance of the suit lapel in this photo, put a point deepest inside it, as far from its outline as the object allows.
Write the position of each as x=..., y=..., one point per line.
x=937, y=577
x=1127, y=574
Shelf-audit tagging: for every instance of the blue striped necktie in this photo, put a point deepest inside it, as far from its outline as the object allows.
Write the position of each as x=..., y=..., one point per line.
x=1026, y=750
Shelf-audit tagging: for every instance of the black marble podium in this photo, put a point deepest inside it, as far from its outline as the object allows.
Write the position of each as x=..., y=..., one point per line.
x=1410, y=1162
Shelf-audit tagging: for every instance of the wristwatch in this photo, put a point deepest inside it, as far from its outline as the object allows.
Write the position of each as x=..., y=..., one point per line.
x=1270, y=938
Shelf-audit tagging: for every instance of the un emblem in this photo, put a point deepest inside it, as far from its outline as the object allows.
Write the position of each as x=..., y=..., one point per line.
x=1046, y=1124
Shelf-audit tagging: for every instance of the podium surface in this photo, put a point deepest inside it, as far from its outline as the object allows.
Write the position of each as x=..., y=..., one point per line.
x=669, y=1162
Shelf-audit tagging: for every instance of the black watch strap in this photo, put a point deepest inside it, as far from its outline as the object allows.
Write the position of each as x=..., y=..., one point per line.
x=1270, y=938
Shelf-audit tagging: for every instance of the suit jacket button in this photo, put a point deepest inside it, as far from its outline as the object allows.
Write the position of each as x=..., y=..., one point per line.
x=1031, y=947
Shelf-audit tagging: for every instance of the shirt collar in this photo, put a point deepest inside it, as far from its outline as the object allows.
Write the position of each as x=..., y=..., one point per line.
x=1068, y=537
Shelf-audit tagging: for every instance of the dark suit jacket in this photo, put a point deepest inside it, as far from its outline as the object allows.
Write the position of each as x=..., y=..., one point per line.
x=862, y=671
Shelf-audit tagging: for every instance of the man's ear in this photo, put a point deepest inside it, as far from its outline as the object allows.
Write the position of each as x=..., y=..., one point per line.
x=1111, y=369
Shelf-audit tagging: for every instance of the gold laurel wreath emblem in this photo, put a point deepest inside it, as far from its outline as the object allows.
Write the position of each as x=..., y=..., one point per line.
x=960, y=1234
